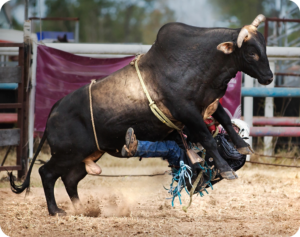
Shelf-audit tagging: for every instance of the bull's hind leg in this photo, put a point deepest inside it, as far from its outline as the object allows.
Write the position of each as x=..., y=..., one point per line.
x=49, y=174
x=71, y=169
x=73, y=177
x=71, y=180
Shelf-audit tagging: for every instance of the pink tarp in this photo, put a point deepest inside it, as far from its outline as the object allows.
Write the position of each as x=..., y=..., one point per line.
x=231, y=101
x=59, y=73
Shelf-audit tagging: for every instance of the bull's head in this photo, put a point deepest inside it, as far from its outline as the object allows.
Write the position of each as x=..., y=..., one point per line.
x=251, y=48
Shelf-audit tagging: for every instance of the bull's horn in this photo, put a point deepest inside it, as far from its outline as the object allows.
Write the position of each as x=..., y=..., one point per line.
x=242, y=35
x=259, y=19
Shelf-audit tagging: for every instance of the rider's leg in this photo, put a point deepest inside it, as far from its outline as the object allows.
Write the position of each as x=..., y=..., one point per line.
x=167, y=149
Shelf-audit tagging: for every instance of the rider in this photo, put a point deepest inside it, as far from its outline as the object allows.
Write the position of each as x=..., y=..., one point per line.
x=173, y=151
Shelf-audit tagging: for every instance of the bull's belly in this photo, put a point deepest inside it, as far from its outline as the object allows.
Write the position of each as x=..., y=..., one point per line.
x=68, y=134
x=113, y=137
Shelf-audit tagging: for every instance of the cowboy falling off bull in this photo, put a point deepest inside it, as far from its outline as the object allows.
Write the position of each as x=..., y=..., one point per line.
x=174, y=151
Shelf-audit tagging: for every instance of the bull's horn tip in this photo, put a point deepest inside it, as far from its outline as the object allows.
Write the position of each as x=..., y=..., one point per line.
x=259, y=19
x=262, y=17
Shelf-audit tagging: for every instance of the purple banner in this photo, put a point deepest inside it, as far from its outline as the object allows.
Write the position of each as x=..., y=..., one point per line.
x=231, y=101
x=59, y=73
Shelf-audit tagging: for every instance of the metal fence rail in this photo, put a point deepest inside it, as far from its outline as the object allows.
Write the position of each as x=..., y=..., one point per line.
x=271, y=92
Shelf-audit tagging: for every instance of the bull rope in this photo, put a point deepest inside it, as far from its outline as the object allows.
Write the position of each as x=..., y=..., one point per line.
x=92, y=115
x=155, y=110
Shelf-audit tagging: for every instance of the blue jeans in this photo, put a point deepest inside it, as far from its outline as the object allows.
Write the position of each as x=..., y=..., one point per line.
x=167, y=149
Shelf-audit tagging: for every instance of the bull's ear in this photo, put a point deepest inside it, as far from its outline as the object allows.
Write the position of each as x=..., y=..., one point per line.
x=226, y=47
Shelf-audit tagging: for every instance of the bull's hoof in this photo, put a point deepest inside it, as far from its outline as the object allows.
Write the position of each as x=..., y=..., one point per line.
x=245, y=150
x=57, y=212
x=229, y=175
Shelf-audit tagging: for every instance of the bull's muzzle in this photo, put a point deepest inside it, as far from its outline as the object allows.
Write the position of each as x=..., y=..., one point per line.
x=265, y=81
x=269, y=81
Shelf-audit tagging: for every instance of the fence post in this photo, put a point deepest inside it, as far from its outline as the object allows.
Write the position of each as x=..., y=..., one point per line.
x=77, y=31
x=269, y=112
x=248, y=108
x=32, y=100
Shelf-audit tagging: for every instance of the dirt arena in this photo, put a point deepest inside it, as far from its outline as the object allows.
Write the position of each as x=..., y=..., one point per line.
x=264, y=201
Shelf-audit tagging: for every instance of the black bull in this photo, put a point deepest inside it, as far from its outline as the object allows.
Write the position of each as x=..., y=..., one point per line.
x=186, y=69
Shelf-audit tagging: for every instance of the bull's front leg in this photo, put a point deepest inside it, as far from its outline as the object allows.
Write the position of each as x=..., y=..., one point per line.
x=200, y=133
x=222, y=117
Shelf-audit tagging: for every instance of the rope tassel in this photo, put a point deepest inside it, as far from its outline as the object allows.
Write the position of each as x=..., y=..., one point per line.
x=185, y=173
x=179, y=176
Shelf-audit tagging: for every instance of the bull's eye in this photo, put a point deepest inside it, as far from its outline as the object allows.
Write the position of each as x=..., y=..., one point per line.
x=254, y=56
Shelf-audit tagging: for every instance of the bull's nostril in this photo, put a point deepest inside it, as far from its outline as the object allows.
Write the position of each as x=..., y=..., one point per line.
x=268, y=81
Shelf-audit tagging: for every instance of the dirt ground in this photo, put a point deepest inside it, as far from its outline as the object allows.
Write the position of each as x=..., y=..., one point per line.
x=264, y=201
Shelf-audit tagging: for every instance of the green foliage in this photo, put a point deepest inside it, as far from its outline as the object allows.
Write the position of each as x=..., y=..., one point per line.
x=155, y=20
x=110, y=21
x=244, y=10
x=15, y=24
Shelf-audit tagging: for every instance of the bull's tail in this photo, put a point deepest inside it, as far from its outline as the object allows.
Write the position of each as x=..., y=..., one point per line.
x=20, y=188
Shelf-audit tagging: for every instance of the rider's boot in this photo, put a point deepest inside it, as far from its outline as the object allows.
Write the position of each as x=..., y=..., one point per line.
x=129, y=149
